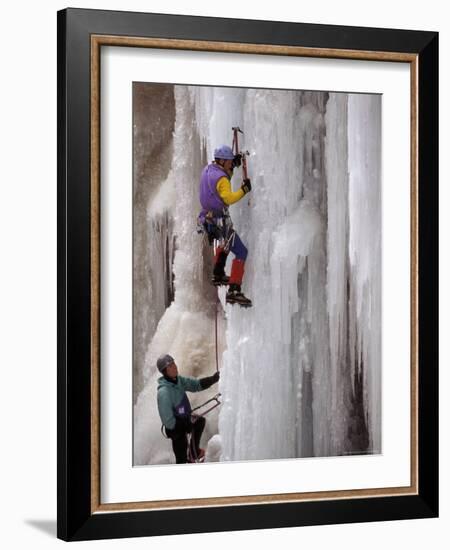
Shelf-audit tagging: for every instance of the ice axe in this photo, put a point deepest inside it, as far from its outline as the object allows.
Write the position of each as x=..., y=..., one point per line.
x=243, y=154
x=235, y=149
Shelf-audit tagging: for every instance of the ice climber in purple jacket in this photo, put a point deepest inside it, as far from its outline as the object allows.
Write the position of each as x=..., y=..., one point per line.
x=216, y=195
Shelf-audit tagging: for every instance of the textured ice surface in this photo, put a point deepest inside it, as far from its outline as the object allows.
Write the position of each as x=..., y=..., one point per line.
x=301, y=370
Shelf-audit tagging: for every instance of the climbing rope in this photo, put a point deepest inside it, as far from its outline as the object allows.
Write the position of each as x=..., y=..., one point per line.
x=216, y=331
x=216, y=315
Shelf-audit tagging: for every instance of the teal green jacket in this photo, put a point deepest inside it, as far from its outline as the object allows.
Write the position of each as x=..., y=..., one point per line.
x=172, y=396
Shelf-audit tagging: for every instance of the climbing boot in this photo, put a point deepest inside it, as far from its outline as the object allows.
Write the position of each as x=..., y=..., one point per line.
x=200, y=457
x=220, y=279
x=235, y=296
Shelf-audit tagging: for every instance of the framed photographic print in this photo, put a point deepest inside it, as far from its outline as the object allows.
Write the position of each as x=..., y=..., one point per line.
x=247, y=256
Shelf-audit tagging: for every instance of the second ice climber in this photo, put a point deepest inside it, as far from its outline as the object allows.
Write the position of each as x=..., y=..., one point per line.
x=216, y=195
x=175, y=410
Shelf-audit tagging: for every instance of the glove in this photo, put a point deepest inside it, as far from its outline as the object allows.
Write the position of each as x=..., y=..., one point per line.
x=216, y=377
x=207, y=382
x=246, y=186
x=237, y=160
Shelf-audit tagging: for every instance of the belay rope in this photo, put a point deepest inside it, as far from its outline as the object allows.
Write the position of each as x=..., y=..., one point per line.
x=227, y=241
x=192, y=455
x=229, y=238
x=216, y=331
x=216, y=399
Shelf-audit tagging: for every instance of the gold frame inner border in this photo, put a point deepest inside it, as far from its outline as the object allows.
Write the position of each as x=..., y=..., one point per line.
x=97, y=41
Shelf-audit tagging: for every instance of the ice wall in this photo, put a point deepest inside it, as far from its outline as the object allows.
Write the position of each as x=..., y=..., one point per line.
x=364, y=159
x=300, y=371
x=275, y=399
x=338, y=267
x=297, y=379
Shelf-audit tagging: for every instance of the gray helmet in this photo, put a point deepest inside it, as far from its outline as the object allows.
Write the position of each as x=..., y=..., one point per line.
x=224, y=152
x=164, y=361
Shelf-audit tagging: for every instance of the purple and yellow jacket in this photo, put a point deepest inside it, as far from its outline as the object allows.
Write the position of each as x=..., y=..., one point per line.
x=215, y=191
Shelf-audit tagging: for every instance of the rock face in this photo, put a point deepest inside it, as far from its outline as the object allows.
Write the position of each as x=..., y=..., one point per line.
x=153, y=125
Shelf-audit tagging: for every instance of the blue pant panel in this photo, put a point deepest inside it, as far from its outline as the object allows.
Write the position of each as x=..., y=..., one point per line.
x=238, y=248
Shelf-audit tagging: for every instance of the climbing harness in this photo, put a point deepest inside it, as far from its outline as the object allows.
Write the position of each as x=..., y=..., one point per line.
x=215, y=399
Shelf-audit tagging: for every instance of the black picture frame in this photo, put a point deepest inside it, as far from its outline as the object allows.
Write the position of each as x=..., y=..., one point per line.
x=78, y=517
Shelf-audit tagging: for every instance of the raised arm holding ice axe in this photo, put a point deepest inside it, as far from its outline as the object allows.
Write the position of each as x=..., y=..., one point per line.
x=216, y=195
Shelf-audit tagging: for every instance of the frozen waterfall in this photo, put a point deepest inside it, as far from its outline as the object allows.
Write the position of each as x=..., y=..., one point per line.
x=301, y=369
